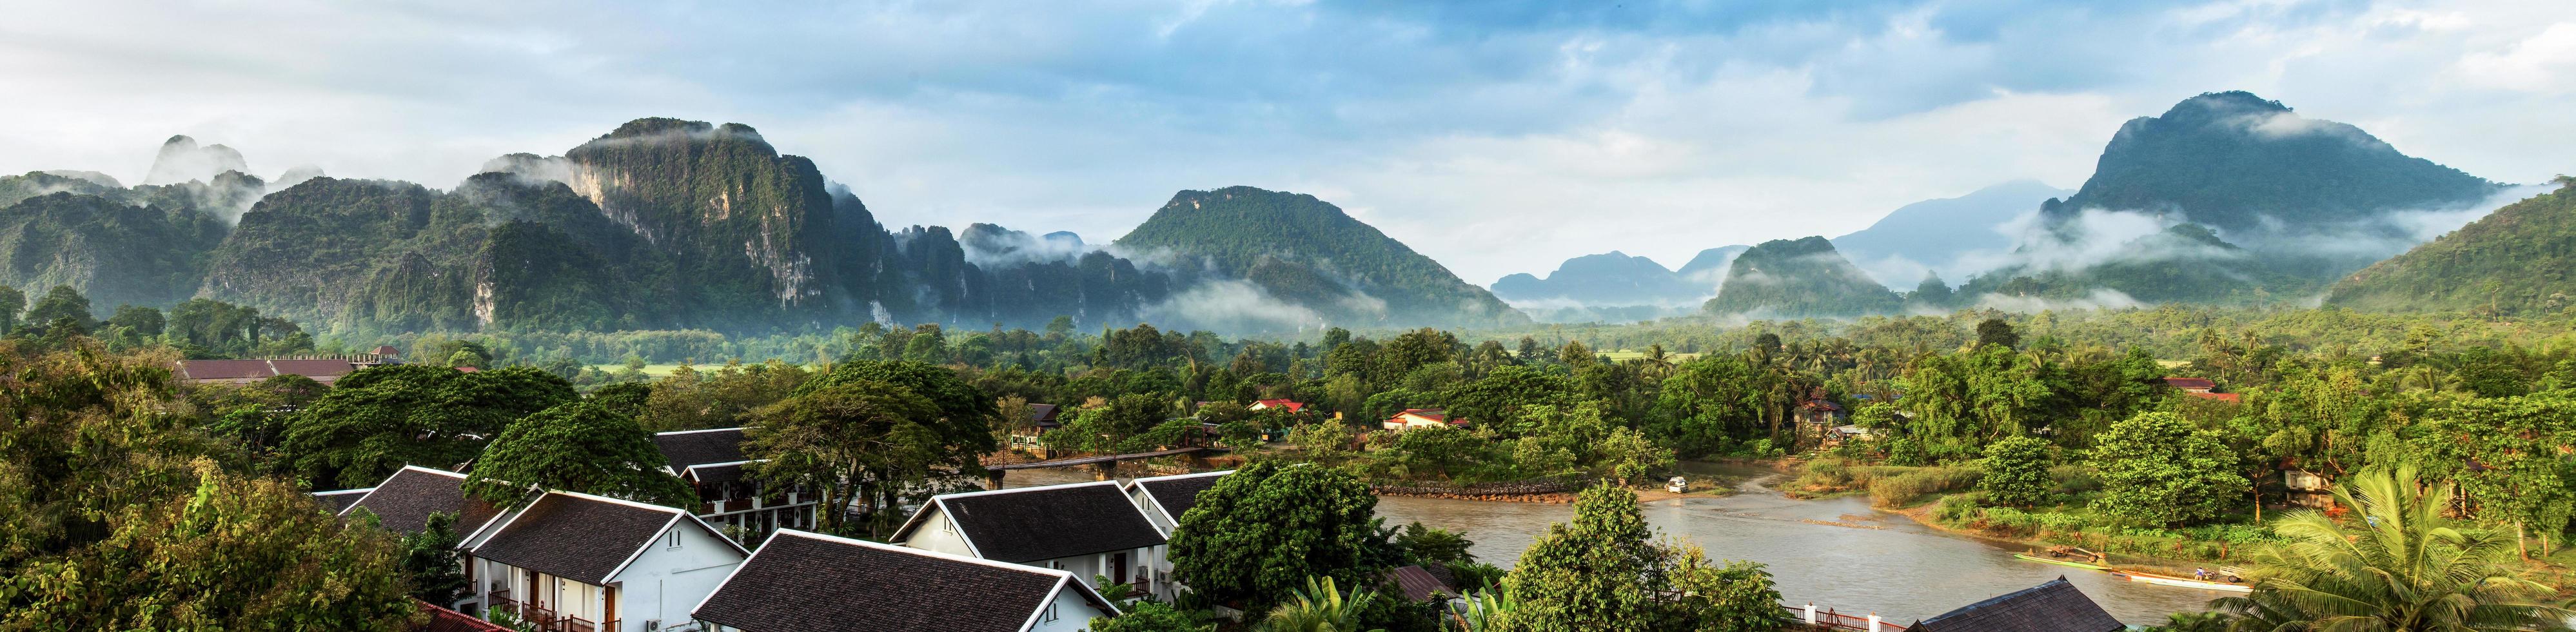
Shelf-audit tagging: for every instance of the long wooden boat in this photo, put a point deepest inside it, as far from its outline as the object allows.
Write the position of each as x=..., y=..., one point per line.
x=2166, y=580
x=2043, y=560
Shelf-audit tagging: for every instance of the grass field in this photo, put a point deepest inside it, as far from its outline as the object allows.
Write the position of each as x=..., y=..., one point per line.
x=1623, y=355
x=655, y=370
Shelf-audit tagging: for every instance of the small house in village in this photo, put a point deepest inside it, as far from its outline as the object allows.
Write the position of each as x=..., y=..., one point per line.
x=2055, y=606
x=2202, y=388
x=1164, y=499
x=1817, y=420
x=1087, y=529
x=581, y=563
x=403, y=503
x=2308, y=489
x=1282, y=404
x=802, y=581
x=712, y=462
x=1043, y=418
x=1422, y=418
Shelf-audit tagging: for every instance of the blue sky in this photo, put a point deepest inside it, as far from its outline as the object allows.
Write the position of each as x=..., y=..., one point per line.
x=1497, y=137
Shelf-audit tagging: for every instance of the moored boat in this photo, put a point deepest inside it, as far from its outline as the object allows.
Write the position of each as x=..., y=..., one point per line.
x=2179, y=582
x=2072, y=563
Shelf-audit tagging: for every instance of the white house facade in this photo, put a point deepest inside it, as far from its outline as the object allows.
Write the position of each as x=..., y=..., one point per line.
x=1085, y=529
x=583, y=563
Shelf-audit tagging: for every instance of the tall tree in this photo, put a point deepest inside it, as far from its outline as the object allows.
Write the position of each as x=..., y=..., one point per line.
x=859, y=440
x=238, y=553
x=576, y=446
x=2015, y=472
x=2158, y=470
x=1259, y=531
x=2397, y=564
x=63, y=303
x=376, y=420
x=1603, y=572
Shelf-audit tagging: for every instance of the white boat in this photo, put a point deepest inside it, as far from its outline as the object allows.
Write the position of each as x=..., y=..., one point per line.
x=2162, y=580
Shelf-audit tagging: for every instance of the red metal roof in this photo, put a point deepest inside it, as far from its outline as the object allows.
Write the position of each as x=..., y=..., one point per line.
x=2224, y=397
x=1292, y=406
x=2190, y=382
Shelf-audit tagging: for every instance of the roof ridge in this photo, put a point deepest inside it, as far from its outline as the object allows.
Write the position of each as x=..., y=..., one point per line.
x=432, y=470
x=990, y=492
x=1174, y=477
x=620, y=501
x=1008, y=566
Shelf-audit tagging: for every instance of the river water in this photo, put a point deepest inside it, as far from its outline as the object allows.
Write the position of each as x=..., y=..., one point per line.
x=1835, y=552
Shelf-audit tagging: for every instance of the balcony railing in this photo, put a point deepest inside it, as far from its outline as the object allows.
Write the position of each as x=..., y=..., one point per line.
x=546, y=619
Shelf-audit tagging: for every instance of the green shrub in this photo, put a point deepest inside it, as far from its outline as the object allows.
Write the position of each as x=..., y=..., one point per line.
x=1911, y=487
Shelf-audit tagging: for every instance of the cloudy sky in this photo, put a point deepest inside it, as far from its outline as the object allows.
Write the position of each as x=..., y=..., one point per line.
x=1497, y=137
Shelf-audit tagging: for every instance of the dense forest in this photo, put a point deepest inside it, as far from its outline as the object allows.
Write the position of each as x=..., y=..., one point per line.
x=2514, y=261
x=1310, y=254
x=1799, y=278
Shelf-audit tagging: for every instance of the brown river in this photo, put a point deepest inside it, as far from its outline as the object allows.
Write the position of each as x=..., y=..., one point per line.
x=1835, y=552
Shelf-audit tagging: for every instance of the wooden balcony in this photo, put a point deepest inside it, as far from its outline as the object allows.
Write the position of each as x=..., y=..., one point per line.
x=546, y=619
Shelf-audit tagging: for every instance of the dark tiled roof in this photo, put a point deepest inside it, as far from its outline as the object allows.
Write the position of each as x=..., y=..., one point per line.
x=1179, y=493
x=445, y=620
x=405, y=500
x=841, y=585
x=1043, y=414
x=1045, y=523
x=700, y=447
x=574, y=536
x=1417, y=584
x=339, y=500
x=2055, y=606
x=716, y=473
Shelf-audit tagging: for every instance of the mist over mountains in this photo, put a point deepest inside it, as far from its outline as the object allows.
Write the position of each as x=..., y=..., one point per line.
x=2225, y=198
x=671, y=224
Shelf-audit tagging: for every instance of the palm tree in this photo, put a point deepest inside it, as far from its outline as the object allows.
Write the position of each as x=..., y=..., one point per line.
x=2396, y=565
x=1319, y=607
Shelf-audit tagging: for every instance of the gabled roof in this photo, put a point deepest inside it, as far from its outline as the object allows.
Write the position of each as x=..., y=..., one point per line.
x=1175, y=495
x=1291, y=405
x=688, y=448
x=838, y=584
x=583, y=537
x=1042, y=523
x=2224, y=397
x=340, y=499
x=1043, y=414
x=1417, y=584
x=403, y=502
x=2055, y=606
x=2190, y=382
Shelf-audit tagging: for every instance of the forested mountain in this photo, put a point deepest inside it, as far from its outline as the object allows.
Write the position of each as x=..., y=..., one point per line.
x=1785, y=278
x=2280, y=205
x=1611, y=278
x=1708, y=268
x=658, y=224
x=1933, y=235
x=1308, y=253
x=146, y=245
x=2518, y=259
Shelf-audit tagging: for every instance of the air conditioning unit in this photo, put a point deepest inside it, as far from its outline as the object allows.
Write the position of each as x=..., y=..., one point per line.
x=652, y=625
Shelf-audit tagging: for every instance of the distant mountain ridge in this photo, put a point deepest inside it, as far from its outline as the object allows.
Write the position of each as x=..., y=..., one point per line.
x=1611, y=278
x=2520, y=259
x=1799, y=278
x=1942, y=235
x=2231, y=198
x=1308, y=253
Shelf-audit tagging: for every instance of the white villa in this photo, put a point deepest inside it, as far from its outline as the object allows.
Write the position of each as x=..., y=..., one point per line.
x=582, y=563
x=711, y=461
x=802, y=581
x=1086, y=529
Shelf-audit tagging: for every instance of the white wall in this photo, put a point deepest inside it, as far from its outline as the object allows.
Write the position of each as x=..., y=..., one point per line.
x=664, y=582
x=938, y=534
x=1073, y=613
